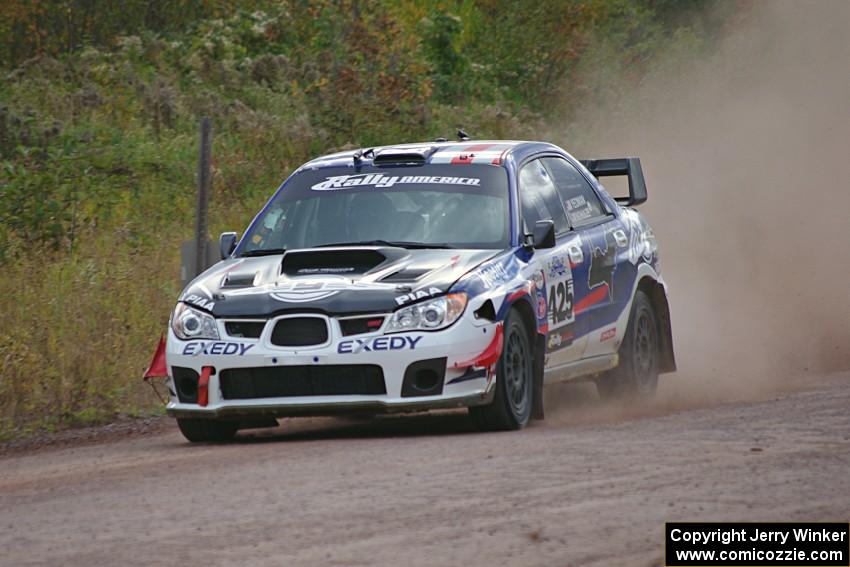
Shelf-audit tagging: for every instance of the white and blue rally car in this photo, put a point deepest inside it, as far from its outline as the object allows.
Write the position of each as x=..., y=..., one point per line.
x=421, y=276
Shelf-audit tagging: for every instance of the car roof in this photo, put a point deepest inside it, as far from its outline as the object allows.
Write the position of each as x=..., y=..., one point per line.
x=486, y=152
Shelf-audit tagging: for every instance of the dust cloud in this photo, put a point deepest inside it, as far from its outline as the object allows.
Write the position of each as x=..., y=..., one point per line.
x=747, y=159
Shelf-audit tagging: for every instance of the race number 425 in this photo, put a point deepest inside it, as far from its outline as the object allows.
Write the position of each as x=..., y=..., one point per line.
x=561, y=302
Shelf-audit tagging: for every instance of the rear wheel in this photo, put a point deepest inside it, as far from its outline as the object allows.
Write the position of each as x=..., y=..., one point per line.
x=511, y=405
x=637, y=374
x=199, y=430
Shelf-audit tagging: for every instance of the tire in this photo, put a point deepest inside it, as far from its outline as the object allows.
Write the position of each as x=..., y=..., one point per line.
x=511, y=405
x=198, y=430
x=637, y=375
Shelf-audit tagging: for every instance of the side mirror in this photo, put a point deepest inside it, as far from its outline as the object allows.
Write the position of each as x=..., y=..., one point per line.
x=544, y=234
x=226, y=244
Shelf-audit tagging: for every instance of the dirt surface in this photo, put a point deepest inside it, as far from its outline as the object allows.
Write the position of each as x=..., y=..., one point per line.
x=592, y=485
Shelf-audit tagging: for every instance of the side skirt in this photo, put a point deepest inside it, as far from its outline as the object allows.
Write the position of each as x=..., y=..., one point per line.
x=580, y=368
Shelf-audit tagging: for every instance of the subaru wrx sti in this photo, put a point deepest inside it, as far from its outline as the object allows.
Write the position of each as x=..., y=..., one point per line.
x=421, y=276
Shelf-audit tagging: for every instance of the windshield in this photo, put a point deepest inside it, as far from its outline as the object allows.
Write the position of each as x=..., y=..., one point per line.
x=457, y=206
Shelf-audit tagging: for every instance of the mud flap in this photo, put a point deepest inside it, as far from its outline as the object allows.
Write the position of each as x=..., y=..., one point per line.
x=537, y=394
x=662, y=312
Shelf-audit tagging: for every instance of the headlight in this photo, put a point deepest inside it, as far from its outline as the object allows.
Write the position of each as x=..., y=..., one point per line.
x=429, y=315
x=188, y=323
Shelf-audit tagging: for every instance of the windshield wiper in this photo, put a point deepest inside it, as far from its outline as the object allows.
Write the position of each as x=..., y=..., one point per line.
x=395, y=243
x=262, y=252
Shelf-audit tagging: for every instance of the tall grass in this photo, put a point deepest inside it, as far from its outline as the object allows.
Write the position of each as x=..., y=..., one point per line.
x=78, y=331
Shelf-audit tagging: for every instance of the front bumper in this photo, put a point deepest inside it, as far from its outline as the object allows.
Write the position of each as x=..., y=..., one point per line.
x=463, y=384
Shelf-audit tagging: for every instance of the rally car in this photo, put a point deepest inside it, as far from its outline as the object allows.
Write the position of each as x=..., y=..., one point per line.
x=422, y=276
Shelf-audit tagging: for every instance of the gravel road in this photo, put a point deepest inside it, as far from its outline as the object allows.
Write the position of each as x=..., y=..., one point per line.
x=593, y=485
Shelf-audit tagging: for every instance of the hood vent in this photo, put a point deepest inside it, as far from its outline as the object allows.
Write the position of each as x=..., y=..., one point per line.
x=238, y=280
x=406, y=275
x=331, y=262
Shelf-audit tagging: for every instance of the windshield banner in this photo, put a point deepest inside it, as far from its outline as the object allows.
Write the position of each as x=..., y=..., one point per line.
x=381, y=180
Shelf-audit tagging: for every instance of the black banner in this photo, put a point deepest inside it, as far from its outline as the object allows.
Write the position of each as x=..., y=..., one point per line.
x=742, y=544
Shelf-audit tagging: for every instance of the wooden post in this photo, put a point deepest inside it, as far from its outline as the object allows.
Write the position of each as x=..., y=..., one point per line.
x=204, y=179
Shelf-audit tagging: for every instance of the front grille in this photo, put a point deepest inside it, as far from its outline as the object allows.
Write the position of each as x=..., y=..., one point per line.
x=360, y=325
x=292, y=381
x=300, y=331
x=244, y=329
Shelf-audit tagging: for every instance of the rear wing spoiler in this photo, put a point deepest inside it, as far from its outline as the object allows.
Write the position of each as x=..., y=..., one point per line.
x=629, y=167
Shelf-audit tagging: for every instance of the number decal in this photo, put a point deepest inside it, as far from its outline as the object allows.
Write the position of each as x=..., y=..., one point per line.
x=561, y=303
x=560, y=295
x=560, y=291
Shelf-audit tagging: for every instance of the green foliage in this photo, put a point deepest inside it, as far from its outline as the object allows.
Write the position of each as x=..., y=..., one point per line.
x=450, y=65
x=98, y=140
x=36, y=27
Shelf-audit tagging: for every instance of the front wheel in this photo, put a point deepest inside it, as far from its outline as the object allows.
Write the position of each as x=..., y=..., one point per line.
x=511, y=406
x=199, y=430
x=637, y=374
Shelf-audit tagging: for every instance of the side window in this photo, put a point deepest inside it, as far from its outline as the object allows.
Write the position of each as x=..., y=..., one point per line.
x=539, y=198
x=580, y=201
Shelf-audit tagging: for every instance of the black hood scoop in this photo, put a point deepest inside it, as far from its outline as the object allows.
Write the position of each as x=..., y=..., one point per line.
x=349, y=262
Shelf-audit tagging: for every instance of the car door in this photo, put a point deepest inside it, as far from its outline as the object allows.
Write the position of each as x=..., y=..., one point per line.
x=554, y=268
x=599, y=278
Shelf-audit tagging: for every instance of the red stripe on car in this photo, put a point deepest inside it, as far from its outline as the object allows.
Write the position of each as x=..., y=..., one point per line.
x=490, y=355
x=469, y=153
x=592, y=298
x=516, y=295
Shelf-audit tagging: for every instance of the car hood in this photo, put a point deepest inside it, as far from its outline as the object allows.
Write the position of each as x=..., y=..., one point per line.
x=336, y=281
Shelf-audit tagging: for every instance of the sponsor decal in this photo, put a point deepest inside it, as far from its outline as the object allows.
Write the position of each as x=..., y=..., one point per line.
x=558, y=340
x=418, y=294
x=608, y=334
x=578, y=209
x=541, y=306
x=196, y=348
x=642, y=244
x=493, y=275
x=340, y=270
x=539, y=280
x=199, y=301
x=557, y=267
x=378, y=344
x=576, y=203
x=379, y=180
